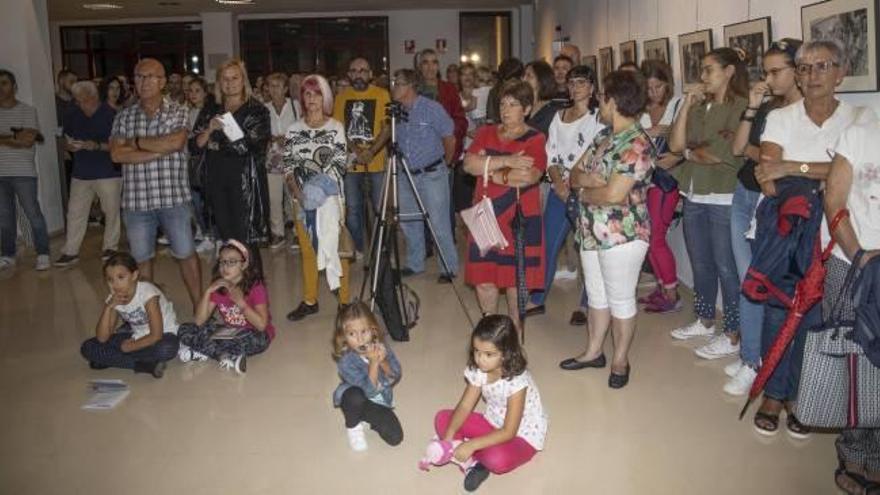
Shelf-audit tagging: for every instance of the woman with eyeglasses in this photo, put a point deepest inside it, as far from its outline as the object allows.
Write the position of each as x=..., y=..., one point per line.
x=703, y=133
x=778, y=89
x=571, y=132
x=795, y=145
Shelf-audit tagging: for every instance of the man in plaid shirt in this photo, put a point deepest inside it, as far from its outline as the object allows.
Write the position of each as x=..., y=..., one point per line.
x=149, y=140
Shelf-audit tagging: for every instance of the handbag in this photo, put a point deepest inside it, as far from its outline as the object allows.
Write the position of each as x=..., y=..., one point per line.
x=838, y=387
x=481, y=222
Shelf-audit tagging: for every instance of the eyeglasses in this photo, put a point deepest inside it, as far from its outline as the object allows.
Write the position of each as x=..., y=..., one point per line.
x=147, y=77
x=399, y=82
x=821, y=67
x=775, y=71
x=578, y=83
x=229, y=263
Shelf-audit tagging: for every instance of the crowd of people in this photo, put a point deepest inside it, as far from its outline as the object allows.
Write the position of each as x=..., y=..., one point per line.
x=602, y=169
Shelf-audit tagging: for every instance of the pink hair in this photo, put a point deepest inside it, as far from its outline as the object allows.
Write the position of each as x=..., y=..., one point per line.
x=318, y=84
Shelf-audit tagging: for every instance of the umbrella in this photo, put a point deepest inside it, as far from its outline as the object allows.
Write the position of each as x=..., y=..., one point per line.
x=518, y=226
x=808, y=291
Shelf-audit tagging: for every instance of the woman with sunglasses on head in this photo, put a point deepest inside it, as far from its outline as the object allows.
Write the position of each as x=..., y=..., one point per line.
x=778, y=89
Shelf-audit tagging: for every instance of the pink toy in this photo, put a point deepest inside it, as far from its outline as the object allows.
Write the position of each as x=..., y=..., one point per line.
x=438, y=453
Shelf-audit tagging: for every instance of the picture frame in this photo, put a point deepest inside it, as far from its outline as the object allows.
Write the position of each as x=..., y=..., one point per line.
x=691, y=49
x=656, y=49
x=753, y=37
x=592, y=62
x=628, y=52
x=853, y=23
x=606, y=62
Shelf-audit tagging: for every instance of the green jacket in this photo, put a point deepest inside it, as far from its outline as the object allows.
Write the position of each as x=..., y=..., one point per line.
x=715, y=128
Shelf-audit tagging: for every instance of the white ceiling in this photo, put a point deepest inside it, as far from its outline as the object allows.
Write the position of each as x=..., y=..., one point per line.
x=70, y=10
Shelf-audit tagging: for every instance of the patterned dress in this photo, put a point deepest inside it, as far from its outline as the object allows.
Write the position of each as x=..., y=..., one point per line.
x=498, y=267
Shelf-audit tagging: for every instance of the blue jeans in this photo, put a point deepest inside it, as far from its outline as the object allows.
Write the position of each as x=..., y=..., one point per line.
x=25, y=189
x=751, y=315
x=141, y=228
x=354, y=202
x=433, y=188
x=556, y=229
x=707, y=237
x=783, y=383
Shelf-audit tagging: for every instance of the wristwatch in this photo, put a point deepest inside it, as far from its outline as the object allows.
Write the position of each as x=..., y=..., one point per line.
x=686, y=154
x=805, y=168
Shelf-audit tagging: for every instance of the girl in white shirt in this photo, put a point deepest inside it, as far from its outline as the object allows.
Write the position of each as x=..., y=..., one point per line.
x=513, y=428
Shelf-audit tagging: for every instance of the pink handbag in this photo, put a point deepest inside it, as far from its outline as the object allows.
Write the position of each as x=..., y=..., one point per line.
x=481, y=222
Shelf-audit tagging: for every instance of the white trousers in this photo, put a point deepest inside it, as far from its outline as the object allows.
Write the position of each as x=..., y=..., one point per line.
x=611, y=277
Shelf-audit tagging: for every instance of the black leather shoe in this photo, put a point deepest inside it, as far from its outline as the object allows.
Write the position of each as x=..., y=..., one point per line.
x=445, y=279
x=572, y=364
x=407, y=272
x=537, y=310
x=578, y=318
x=618, y=381
x=302, y=311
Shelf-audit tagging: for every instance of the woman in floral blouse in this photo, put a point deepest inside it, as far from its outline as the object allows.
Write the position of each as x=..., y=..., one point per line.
x=612, y=180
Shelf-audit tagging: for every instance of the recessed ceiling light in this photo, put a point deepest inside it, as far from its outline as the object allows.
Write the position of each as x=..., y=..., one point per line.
x=169, y=4
x=235, y=2
x=101, y=6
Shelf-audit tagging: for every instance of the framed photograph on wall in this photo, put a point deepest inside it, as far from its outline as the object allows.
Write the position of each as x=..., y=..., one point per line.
x=628, y=52
x=753, y=37
x=591, y=62
x=657, y=49
x=606, y=62
x=853, y=23
x=691, y=49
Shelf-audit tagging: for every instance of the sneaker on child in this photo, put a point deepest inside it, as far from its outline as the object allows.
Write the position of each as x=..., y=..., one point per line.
x=187, y=354
x=236, y=363
x=475, y=477
x=741, y=382
x=357, y=439
x=719, y=347
x=695, y=329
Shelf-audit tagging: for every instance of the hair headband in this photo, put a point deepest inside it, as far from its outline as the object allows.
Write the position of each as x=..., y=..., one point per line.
x=239, y=246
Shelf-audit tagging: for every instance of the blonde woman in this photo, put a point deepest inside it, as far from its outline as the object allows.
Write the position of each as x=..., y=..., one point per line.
x=235, y=169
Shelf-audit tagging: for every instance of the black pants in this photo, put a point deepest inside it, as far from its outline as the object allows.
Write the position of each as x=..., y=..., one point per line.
x=227, y=204
x=356, y=407
x=110, y=354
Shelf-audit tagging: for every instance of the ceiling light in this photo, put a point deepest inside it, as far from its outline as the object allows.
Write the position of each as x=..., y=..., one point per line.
x=464, y=58
x=101, y=6
x=475, y=57
x=235, y=2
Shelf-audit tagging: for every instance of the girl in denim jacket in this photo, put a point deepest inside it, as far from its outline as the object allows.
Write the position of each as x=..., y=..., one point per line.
x=368, y=369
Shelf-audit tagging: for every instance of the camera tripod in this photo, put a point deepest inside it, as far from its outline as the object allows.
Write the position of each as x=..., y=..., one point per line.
x=384, y=246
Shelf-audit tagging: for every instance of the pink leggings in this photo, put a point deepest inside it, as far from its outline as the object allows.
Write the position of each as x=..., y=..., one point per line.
x=661, y=208
x=498, y=459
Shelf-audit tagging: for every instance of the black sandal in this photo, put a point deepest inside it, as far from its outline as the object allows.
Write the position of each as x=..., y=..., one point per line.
x=865, y=486
x=766, y=424
x=795, y=428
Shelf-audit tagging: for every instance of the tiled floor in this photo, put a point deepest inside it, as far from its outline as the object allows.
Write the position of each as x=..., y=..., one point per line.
x=201, y=430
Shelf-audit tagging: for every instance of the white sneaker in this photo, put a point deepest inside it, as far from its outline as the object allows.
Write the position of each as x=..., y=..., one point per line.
x=719, y=347
x=163, y=241
x=733, y=368
x=43, y=263
x=741, y=383
x=187, y=354
x=7, y=263
x=357, y=440
x=565, y=275
x=695, y=329
x=206, y=246
x=237, y=363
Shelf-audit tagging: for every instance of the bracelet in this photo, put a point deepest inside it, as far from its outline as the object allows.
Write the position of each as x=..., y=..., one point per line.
x=747, y=119
x=686, y=154
x=752, y=108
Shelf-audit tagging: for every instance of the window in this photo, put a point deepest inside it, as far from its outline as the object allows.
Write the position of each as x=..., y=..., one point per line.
x=484, y=37
x=322, y=45
x=99, y=51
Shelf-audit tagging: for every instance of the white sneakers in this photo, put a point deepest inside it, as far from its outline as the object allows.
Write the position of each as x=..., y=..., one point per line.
x=733, y=368
x=357, y=440
x=719, y=347
x=43, y=263
x=695, y=329
x=741, y=382
x=7, y=263
x=565, y=274
x=236, y=363
x=187, y=354
x=205, y=246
